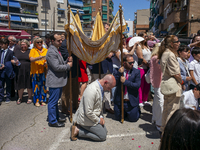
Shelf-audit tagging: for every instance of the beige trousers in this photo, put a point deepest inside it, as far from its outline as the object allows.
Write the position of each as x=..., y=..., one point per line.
x=65, y=97
x=171, y=104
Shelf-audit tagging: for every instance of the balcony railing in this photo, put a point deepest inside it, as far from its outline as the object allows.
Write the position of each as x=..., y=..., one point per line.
x=175, y=17
x=30, y=12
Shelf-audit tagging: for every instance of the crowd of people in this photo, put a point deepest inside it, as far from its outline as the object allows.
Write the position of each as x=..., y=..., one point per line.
x=42, y=67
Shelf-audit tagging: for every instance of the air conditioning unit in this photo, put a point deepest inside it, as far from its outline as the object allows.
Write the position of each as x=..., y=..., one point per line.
x=162, y=21
x=43, y=23
x=59, y=15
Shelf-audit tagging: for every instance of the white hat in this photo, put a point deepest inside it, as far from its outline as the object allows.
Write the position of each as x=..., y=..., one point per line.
x=135, y=39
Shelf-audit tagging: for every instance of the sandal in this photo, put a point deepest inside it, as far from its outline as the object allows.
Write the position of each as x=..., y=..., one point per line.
x=37, y=104
x=19, y=101
x=29, y=101
x=43, y=103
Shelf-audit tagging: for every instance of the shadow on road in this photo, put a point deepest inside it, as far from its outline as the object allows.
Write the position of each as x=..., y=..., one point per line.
x=150, y=130
x=146, y=117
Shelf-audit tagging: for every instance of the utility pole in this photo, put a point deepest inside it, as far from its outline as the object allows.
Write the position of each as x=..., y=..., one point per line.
x=8, y=14
x=45, y=17
x=54, y=19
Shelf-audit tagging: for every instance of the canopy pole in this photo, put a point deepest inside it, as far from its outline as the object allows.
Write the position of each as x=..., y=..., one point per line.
x=122, y=90
x=100, y=62
x=77, y=73
x=70, y=72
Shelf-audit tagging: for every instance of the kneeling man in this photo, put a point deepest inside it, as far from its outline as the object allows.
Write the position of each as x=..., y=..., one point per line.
x=88, y=119
x=131, y=81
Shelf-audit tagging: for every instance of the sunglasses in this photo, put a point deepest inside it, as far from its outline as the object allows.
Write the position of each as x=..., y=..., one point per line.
x=39, y=42
x=176, y=41
x=130, y=63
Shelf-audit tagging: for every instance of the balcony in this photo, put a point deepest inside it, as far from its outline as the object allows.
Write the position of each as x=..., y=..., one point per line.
x=166, y=2
x=30, y=12
x=175, y=17
x=87, y=10
x=111, y=16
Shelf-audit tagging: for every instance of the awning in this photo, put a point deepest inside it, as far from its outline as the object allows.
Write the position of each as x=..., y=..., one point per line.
x=78, y=3
x=29, y=20
x=75, y=11
x=7, y=32
x=24, y=35
x=28, y=2
x=11, y=4
x=61, y=9
x=15, y=18
x=179, y=30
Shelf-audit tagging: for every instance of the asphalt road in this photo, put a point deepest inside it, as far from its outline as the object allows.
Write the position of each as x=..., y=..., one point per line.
x=24, y=127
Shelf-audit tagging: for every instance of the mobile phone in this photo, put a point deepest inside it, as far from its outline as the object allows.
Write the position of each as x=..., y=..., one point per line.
x=1, y=65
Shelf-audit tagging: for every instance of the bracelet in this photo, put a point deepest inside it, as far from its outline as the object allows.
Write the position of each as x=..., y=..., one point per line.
x=182, y=82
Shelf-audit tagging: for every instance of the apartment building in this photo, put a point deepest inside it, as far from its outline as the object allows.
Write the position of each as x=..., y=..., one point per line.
x=56, y=13
x=38, y=16
x=91, y=7
x=177, y=17
x=141, y=22
x=23, y=13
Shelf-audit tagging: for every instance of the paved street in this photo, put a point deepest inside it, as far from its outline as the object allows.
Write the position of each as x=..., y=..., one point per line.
x=24, y=127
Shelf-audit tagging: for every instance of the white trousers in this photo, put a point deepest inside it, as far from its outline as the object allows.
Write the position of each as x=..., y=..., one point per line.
x=157, y=108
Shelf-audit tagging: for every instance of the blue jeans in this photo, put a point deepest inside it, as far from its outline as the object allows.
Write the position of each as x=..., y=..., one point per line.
x=54, y=96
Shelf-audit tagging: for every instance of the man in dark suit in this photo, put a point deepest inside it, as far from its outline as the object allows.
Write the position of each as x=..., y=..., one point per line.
x=6, y=56
x=75, y=88
x=131, y=81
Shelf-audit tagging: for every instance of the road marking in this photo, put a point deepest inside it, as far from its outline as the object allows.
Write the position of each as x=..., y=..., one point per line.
x=131, y=134
x=59, y=139
x=120, y=135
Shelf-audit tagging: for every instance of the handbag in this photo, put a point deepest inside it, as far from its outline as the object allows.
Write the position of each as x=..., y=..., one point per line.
x=147, y=76
x=170, y=86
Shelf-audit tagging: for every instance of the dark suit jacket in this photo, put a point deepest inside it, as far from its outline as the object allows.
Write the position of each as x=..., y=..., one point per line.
x=8, y=57
x=64, y=52
x=8, y=70
x=133, y=85
x=106, y=64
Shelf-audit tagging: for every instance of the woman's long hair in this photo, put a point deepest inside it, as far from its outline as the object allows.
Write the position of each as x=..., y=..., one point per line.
x=166, y=43
x=143, y=43
x=155, y=49
x=182, y=131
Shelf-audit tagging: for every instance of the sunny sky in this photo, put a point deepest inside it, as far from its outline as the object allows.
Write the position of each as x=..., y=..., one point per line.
x=130, y=6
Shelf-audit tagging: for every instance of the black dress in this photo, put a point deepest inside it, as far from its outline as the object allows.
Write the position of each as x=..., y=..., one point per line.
x=22, y=78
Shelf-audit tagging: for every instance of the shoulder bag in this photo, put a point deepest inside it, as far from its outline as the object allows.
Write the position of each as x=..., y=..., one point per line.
x=170, y=86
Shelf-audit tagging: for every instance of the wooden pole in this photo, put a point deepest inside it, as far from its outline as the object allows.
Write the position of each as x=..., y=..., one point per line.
x=8, y=14
x=100, y=62
x=77, y=73
x=121, y=49
x=70, y=72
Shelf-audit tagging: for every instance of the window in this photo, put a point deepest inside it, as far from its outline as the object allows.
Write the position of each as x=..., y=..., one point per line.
x=93, y=18
x=93, y=9
x=93, y=1
x=43, y=22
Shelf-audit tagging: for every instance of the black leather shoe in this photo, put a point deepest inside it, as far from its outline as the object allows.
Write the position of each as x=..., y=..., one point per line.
x=57, y=124
x=62, y=119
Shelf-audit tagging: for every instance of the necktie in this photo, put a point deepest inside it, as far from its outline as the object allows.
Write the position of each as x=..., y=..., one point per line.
x=125, y=91
x=2, y=56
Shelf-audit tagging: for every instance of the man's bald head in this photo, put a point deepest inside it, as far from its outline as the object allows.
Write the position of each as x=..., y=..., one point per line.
x=108, y=82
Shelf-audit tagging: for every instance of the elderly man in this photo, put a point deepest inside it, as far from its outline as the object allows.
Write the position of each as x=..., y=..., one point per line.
x=131, y=81
x=89, y=122
x=56, y=79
